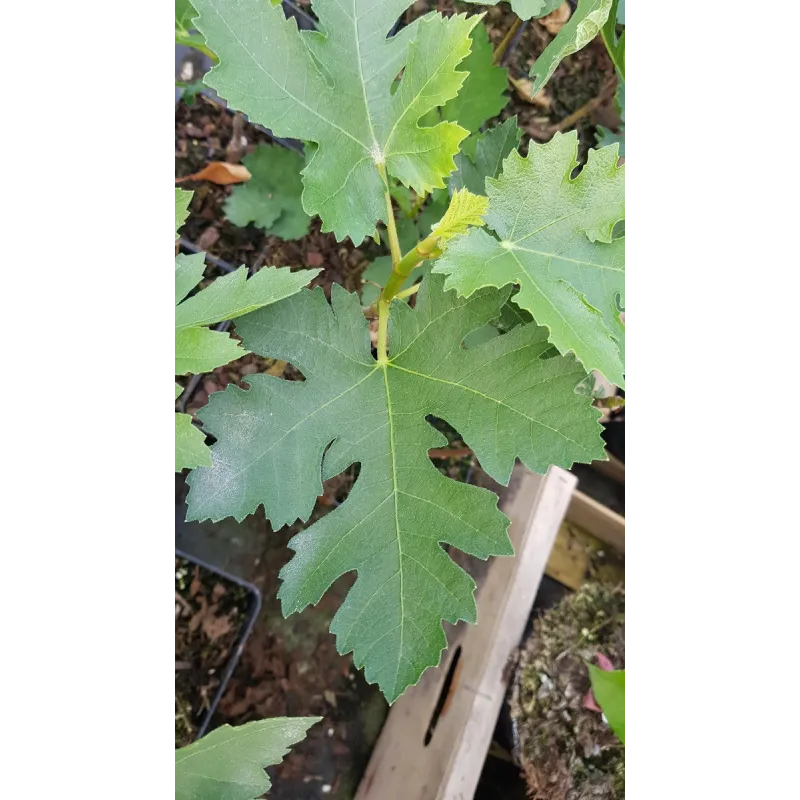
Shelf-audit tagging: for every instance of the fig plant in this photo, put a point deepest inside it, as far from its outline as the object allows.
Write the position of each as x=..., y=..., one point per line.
x=519, y=239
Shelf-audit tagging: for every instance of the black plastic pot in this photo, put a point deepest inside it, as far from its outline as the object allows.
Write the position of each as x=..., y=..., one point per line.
x=247, y=629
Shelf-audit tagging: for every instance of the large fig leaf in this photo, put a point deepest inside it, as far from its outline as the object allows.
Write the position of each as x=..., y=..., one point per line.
x=334, y=87
x=555, y=242
x=277, y=440
x=228, y=763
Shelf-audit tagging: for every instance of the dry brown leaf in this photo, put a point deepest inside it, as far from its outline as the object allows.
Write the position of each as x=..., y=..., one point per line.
x=215, y=627
x=196, y=585
x=208, y=238
x=523, y=86
x=276, y=369
x=219, y=172
x=557, y=19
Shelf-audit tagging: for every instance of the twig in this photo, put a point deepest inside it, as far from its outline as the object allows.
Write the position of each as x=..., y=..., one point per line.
x=584, y=638
x=450, y=452
x=585, y=109
x=506, y=41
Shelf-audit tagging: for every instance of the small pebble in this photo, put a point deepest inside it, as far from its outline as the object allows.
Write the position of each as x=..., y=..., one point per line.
x=326, y=788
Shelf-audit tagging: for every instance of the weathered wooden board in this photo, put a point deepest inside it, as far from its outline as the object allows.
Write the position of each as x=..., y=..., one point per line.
x=414, y=760
x=595, y=518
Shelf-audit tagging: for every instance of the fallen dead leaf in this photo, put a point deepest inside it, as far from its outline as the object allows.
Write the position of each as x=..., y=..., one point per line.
x=196, y=585
x=523, y=87
x=557, y=19
x=219, y=172
x=276, y=369
x=208, y=238
x=215, y=627
x=217, y=592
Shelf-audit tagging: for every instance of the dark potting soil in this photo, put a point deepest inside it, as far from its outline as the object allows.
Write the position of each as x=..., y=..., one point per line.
x=209, y=615
x=204, y=132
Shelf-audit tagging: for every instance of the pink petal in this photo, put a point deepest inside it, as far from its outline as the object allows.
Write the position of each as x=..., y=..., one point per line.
x=590, y=703
x=604, y=663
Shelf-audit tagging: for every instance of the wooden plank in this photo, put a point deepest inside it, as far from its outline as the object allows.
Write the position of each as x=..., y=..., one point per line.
x=613, y=468
x=569, y=558
x=602, y=522
x=403, y=766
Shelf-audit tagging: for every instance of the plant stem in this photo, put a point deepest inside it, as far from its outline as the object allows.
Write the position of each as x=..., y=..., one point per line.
x=391, y=227
x=503, y=46
x=407, y=292
x=402, y=267
x=383, y=330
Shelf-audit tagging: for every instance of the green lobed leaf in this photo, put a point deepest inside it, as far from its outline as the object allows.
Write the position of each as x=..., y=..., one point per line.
x=609, y=691
x=184, y=33
x=198, y=349
x=556, y=244
x=272, y=439
x=271, y=198
x=333, y=88
x=228, y=763
x=465, y=211
x=483, y=94
x=182, y=200
x=189, y=271
x=584, y=24
x=201, y=350
x=234, y=295
x=191, y=449
x=432, y=212
x=491, y=149
x=526, y=9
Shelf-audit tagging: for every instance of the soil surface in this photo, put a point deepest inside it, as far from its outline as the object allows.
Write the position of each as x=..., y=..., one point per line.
x=567, y=750
x=210, y=613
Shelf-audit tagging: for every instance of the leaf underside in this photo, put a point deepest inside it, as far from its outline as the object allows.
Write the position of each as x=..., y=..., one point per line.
x=555, y=242
x=277, y=440
x=333, y=87
x=585, y=23
x=228, y=763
